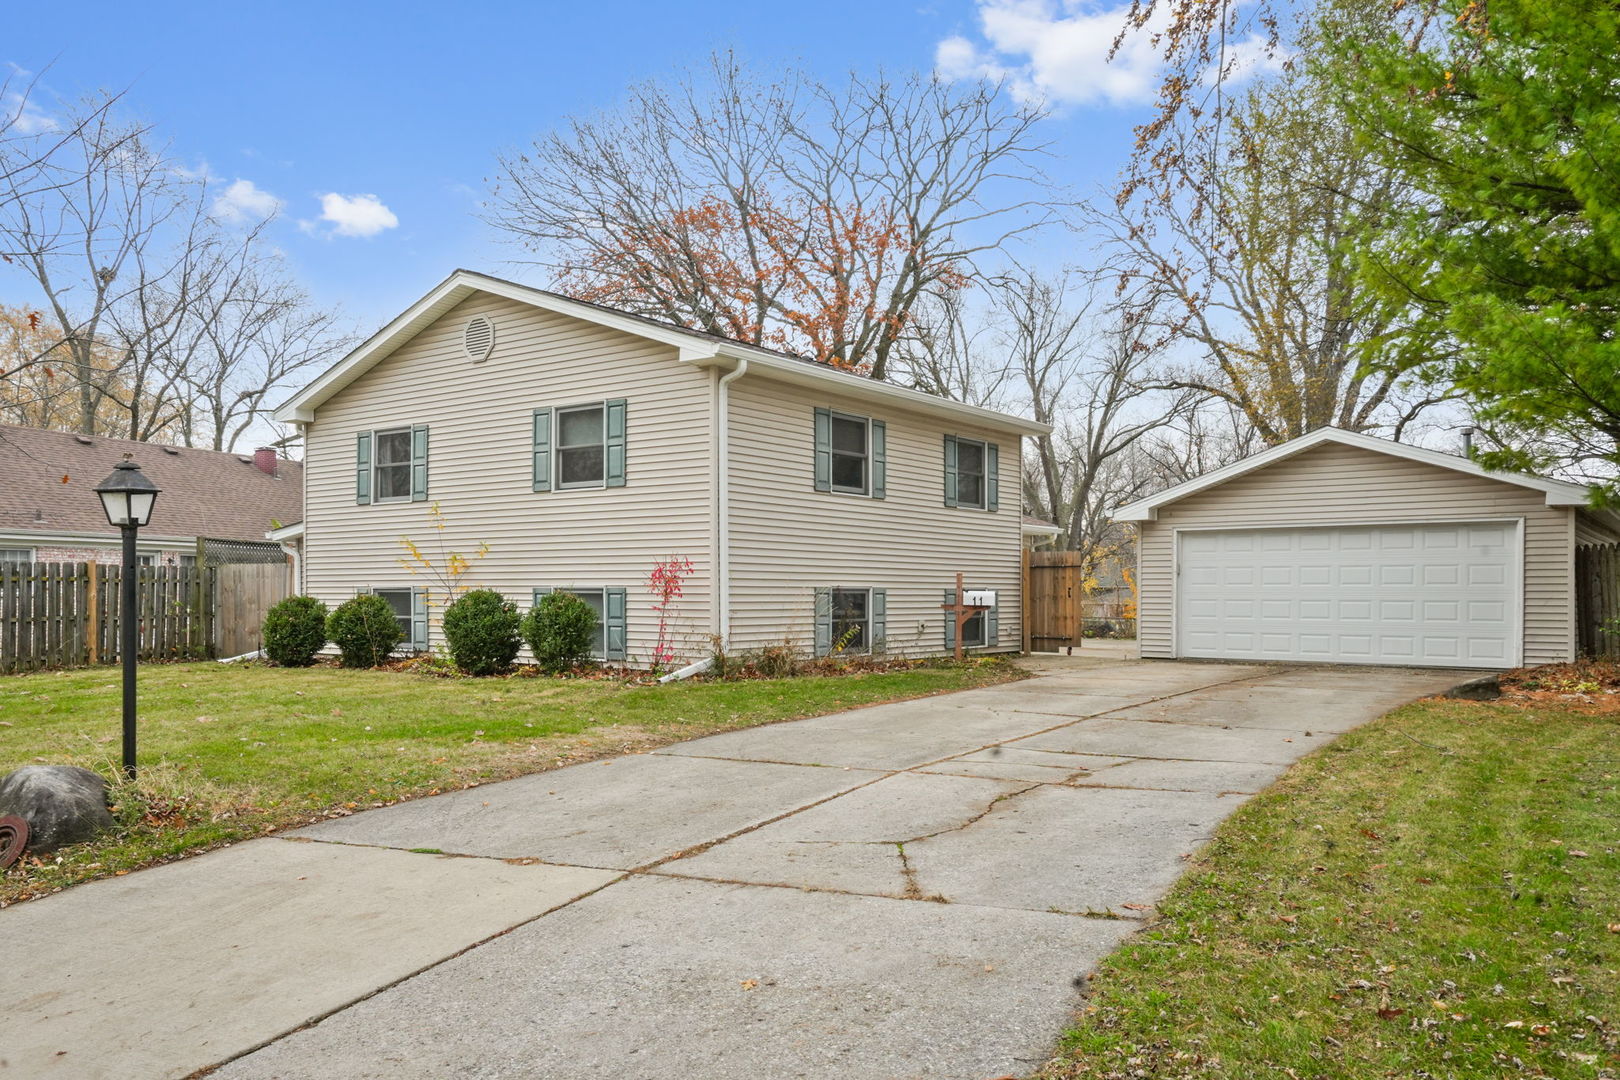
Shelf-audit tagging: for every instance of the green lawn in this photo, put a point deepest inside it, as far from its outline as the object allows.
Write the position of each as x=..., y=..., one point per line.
x=1390, y=909
x=231, y=751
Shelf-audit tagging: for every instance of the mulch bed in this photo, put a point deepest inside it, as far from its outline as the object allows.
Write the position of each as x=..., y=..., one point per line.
x=1589, y=686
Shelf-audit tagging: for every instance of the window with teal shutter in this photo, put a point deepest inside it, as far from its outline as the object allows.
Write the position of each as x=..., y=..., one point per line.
x=950, y=617
x=950, y=471
x=880, y=459
x=992, y=468
x=823, y=431
x=419, y=463
x=880, y=620
x=419, y=619
x=823, y=613
x=615, y=442
x=616, y=624
x=542, y=450
x=362, y=468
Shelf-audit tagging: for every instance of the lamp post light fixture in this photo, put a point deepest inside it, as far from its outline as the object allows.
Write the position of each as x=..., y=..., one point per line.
x=127, y=496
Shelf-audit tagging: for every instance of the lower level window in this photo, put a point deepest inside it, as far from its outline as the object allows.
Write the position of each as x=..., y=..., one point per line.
x=973, y=630
x=18, y=556
x=598, y=603
x=851, y=620
x=399, y=602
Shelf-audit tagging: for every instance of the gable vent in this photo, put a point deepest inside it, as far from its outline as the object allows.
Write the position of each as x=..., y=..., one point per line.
x=478, y=341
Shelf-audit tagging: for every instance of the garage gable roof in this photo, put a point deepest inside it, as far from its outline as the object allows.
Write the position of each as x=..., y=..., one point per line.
x=1558, y=492
x=693, y=346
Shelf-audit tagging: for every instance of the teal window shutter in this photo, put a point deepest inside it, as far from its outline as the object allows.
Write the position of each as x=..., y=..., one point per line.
x=614, y=634
x=823, y=621
x=542, y=449
x=950, y=619
x=615, y=442
x=880, y=458
x=419, y=619
x=419, y=463
x=992, y=631
x=362, y=468
x=880, y=618
x=824, y=450
x=950, y=470
x=992, y=477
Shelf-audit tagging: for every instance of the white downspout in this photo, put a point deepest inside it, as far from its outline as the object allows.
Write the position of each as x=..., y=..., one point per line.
x=722, y=571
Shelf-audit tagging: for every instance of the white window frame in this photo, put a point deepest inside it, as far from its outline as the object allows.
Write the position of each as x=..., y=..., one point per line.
x=405, y=620
x=865, y=490
x=377, y=463
x=557, y=447
x=984, y=474
x=982, y=618
x=30, y=554
x=866, y=622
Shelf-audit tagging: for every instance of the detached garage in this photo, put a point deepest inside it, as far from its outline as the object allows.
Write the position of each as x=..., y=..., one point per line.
x=1342, y=548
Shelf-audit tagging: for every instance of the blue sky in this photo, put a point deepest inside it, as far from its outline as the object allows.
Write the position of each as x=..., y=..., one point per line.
x=408, y=102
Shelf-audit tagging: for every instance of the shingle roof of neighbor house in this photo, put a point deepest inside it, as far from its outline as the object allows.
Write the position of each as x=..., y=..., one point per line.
x=48, y=480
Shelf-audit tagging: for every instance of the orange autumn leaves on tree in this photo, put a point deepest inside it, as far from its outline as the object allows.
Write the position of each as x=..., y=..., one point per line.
x=806, y=279
x=36, y=385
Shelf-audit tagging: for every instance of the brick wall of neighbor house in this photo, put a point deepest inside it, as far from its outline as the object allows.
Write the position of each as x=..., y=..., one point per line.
x=787, y=538
x=479, y=418
x=109, y=556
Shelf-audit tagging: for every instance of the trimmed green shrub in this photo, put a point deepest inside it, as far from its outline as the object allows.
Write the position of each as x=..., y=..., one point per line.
x=294, y=631
x=481, y=628
x=560, y=630
x=364, y=630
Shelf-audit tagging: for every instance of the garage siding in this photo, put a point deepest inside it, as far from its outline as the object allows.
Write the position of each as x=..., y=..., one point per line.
x=1335, y=484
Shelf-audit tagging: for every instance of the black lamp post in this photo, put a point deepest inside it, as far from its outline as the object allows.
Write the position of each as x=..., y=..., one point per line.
x=127, y=496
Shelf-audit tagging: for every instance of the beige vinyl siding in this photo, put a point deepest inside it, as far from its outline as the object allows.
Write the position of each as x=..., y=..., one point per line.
x=479, y=468
x=1334, y=484
x=787, y=538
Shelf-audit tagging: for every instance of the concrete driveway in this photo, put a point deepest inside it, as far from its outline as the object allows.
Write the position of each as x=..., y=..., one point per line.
x=907, y=890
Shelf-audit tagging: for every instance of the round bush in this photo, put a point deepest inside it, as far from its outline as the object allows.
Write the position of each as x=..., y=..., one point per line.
x=294, y=631
x=364, y=630
x=560, y=630
x=482, y=630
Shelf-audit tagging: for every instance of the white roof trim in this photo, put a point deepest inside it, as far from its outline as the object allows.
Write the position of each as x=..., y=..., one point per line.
x=693, y=348
x=294, y=531
x=1046, y=528
x=1558, y=492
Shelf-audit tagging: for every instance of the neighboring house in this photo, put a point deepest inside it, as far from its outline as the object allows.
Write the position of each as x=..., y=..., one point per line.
x=1345, y=548
x=583, y=444
x=49, y=511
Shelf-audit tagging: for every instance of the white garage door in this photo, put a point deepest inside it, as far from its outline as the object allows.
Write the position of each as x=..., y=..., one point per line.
x=1431, y=595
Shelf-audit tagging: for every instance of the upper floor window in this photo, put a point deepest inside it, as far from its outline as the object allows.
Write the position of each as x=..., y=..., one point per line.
x=851, y=454
x=579, y=446
x=970, y=473
x=391, y=465
x=391, y=473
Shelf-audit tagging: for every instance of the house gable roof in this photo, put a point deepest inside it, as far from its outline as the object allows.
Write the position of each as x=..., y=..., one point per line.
x=1557, y=492
x=49, y=480
x=693, y=346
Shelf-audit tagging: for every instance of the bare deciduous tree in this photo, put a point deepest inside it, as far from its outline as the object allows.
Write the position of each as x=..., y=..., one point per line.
x=788, y=213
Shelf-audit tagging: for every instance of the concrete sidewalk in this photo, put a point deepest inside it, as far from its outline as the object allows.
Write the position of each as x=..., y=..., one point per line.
x=897, y=891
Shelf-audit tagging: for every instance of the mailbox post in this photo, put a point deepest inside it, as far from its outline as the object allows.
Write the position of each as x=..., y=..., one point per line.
x=968, y=604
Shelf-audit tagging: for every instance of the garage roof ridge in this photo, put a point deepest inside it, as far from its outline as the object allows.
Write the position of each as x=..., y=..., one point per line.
x=1558, y=492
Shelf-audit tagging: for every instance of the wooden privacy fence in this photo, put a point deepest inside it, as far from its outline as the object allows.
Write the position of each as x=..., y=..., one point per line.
x=66, y=614
x=1597, y=599
x=55, y=615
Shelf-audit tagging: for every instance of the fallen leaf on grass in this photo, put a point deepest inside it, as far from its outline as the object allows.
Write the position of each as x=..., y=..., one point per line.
x=1390, y=1014
x=1579, y=855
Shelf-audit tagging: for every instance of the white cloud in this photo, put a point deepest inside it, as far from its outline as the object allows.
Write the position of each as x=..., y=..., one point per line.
x=22, y=116
x=1056, y=53
x=355, y=215
x=243, y=200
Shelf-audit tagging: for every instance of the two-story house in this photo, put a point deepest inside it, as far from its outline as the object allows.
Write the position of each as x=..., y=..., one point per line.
x=582, y=445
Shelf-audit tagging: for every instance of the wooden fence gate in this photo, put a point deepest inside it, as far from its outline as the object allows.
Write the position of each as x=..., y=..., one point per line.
x=243, y=593
x=1597, y=599
x=1053, y=597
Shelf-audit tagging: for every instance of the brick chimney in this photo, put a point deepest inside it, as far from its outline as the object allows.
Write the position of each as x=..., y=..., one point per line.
x=264, y=459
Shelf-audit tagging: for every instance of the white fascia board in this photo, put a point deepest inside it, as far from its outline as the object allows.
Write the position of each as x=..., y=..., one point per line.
x=143, y=541
x=294, y=531
x=1557, y=492
x=832, y=380
x=694, y=348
